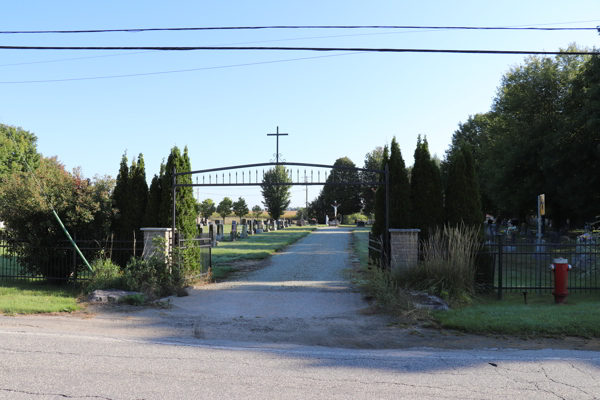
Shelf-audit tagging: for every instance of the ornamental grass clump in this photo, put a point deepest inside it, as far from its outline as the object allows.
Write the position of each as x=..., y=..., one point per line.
x=449, y=263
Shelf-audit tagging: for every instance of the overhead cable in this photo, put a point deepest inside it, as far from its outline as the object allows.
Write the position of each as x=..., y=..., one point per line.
x=353, y=49
x=214, y=28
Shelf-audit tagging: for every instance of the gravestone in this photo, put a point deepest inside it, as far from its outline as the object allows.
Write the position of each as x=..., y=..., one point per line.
x=313, y=222
x=221, y=232
x=360, y=223
x=213, y=236
x=233, y=233
x=244, y=231
x=530, y=238
x=554, y=238
x=523, y=229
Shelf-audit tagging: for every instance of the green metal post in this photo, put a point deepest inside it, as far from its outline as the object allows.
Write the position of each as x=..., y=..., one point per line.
x=72, y=241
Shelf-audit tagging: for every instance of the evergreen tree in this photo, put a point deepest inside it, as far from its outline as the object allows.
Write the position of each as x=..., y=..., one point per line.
x=456, y=204
x=463, y=203
x=153, y=214
x=399, y=189
x=346, y=195
x=120, y=221
x=317, y=208
x=138, y=193
x=372, y=161
x=379, y=226
x=426, y=197
x=185, y=210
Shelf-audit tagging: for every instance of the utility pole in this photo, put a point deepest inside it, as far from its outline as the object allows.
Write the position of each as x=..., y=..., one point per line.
x=306, y=204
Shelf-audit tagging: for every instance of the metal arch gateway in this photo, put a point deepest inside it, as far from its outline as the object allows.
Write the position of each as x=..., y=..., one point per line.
x=248, y=168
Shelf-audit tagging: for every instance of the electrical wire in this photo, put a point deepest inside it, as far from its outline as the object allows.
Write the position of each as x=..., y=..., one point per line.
x=349, y=49
x=178, y=71
x=135, y=30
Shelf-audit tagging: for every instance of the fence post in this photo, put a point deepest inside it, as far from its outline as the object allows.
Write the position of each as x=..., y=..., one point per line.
x=500, y=245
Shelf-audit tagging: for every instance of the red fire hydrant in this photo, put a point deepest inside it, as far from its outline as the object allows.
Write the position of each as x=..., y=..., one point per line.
x=561, y=268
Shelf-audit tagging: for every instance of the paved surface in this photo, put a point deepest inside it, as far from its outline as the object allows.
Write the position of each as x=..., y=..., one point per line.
x=46, y=366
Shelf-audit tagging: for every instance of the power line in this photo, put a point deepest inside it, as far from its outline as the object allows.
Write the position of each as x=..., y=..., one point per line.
x=351, y=49
x=178, y=71
x=134, y=30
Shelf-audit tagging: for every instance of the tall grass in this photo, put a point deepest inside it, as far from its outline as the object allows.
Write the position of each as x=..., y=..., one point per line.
x=449, y=263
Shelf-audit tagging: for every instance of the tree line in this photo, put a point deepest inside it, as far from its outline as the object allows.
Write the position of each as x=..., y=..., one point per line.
x=541, y=136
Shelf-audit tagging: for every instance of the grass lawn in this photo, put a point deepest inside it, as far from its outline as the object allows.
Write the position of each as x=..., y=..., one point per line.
x=18, y=297
x=486, y=315
x=580, y=316
x=255, y=247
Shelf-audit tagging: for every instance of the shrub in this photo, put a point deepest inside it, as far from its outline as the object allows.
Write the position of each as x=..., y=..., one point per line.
x=134, y=299
x=449, y=263
x=155, y=276
x=382, y=286
x=106, y=275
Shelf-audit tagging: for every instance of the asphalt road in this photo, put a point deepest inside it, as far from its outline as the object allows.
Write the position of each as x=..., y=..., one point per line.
x=36, y=365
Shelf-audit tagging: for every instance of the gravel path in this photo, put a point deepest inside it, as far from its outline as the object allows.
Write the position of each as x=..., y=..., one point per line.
x=314, y=263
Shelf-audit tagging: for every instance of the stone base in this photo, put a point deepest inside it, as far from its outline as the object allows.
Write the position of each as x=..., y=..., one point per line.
x=109, y=296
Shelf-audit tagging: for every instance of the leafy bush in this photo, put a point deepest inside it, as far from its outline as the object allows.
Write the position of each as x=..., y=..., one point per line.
x=134, y=299
x=449, y=263
x=106, y=275
x=155, y=276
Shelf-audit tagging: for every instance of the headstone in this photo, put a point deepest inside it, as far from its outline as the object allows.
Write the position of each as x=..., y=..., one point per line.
x=313, y=222
x=326, y=219
x=233, y=233
x=523, y=229
x=530, y=238
x=554, y=237
x=213, y=236
x=244, y=231
x=360, y=223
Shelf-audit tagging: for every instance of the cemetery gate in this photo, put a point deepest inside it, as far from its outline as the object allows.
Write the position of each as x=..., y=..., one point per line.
x=248, y=175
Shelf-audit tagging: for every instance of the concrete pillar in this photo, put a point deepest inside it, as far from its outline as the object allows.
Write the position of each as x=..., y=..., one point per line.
x=404, y=245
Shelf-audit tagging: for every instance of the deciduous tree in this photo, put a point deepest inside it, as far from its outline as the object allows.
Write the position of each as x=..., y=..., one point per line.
x=207, y=208
x=277, y=198
x=240, y=208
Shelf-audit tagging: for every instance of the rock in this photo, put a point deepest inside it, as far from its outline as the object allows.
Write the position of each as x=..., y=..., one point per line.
x=109, y=296
x=431, y=302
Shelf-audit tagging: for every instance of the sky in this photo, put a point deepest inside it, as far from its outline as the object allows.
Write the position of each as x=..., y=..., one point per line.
x=90, y=107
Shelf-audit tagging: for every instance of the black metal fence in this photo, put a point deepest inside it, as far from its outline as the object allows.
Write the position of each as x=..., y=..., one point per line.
x=375, y=246
x=522, y=265
x=21, y=260
x=202, y=252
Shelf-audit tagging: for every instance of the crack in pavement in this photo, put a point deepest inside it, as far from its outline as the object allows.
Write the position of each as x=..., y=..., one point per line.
x=66, y=396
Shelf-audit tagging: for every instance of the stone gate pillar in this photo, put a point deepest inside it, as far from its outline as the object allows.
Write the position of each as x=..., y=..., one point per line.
x=150, y=234
x=404, y=244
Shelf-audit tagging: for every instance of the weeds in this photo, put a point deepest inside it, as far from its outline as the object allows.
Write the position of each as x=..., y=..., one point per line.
x=449, y=264
x=107, y=275
x=134, y=299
